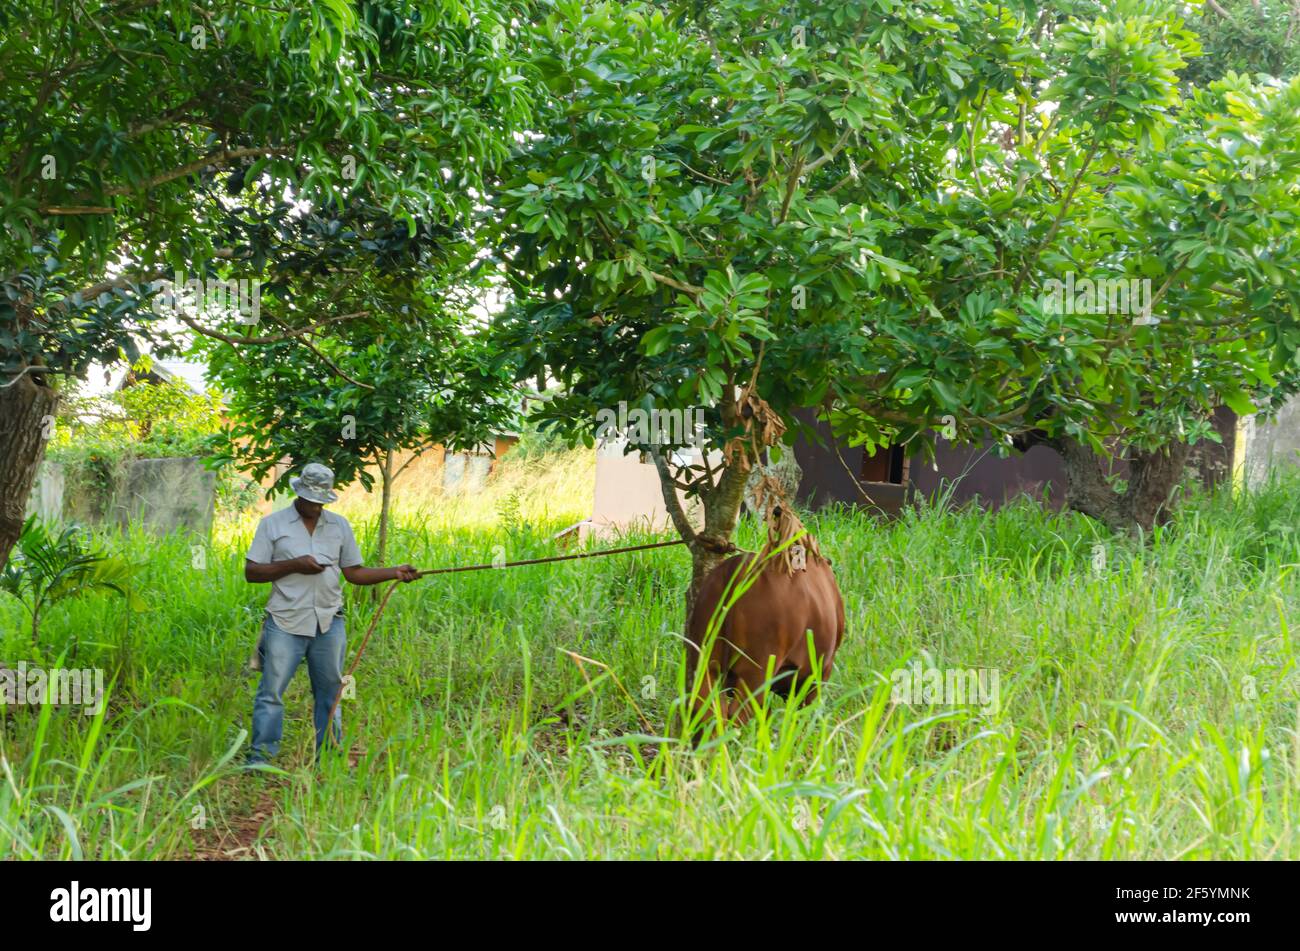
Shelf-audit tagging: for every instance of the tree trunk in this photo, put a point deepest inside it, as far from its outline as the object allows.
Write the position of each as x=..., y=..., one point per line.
x=1152, y=480
x=1087, y=487
x=27, y=408
x=1145, y=502
x=711, y=544
x=787, y=473
x=385, y=505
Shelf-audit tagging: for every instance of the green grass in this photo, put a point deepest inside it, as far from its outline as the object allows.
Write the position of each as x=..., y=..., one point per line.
x=1147, y=710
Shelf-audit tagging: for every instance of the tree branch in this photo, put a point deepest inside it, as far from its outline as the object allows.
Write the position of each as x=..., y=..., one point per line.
x=305, y=340
x=214, y=158
x=828, y=156
x=24, y=371
x=272, y=338
x=1065, y=206
x=691, y=289
x=671, y=502
x=78, y=210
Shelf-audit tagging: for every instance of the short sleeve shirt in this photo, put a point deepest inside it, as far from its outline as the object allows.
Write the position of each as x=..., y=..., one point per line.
x=299, y=604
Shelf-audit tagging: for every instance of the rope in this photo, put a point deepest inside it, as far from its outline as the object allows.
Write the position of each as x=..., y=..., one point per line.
x=383, y=603
x=542, y=561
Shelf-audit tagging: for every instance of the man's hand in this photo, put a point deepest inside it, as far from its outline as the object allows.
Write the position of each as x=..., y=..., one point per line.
x=258, y=573
x=306, y=565
x=358, y=574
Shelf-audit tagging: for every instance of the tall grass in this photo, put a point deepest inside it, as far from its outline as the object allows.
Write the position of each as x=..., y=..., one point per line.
x=1148, y=704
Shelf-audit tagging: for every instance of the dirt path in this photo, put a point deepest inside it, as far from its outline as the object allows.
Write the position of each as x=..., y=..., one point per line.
x=235, y=838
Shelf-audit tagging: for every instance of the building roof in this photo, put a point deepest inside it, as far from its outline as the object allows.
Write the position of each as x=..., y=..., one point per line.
x=193, y=376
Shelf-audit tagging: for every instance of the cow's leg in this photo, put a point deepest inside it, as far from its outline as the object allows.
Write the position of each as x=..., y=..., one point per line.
x=704, y=686
x=807, y=674
x=806, y=666
x=750, y=686
x=702, y=698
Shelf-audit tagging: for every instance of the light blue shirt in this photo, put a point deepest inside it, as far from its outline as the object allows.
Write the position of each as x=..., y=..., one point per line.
x=301, y=603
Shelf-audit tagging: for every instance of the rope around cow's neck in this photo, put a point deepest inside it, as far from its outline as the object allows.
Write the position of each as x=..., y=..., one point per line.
x=383, y=603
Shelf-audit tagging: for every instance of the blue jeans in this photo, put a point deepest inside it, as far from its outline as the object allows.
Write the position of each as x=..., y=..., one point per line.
x=281, y=653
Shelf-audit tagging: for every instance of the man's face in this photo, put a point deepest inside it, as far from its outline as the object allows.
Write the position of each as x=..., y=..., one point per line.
x=308, y=510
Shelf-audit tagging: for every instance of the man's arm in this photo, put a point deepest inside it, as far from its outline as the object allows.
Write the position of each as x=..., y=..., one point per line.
x=259, y=573
x=357, y=573
x=361, y=575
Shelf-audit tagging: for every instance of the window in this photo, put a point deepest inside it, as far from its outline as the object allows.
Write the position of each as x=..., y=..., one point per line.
x=887, y=465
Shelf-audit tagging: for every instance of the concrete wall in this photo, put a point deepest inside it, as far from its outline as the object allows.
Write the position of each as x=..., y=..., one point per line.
x=1264, y=444
x=46, y=500
x=469, y=471
x=465, y=471
x=163, y=495
x=628, y=495
x=166, y=495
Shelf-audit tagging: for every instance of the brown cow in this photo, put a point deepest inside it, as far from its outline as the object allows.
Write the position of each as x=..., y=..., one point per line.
x=794, y=592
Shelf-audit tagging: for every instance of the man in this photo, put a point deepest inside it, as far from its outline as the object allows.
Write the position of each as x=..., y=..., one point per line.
x=301, y=551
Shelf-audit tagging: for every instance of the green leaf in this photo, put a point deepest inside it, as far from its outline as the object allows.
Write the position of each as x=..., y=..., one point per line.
x=1239, y=402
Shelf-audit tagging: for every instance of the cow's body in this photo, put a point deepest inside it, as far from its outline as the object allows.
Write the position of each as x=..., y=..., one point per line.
x=767, y=625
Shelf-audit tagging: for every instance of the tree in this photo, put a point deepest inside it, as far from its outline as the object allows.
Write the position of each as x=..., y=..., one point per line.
x=858, y=207
x=1245, y=36
x=119, y=123
x=433, y=382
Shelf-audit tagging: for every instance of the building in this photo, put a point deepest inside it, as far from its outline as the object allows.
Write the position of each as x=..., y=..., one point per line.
x=628, y=496
x=889, y=479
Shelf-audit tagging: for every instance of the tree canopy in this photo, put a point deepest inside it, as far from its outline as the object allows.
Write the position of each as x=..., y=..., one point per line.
x=870, y=199
x=1030, y=222
x=232, y=141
